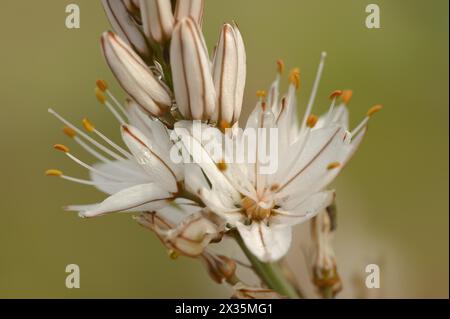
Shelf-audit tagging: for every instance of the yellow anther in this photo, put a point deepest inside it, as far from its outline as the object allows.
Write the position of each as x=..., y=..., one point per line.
x=69, y=132
x=88, y=126
x=224, y=125
x=374, y=109
x=53, y=172
x=347, y=96
x=335, y=94
x=312, y=121
x=333, y=165
x=280, y=66
x=102, y=85
x=100, y=96
x=274, y=187
x=61, y=147
x=222, y=166
x=261, y=94
x=173, y=254
x=294, y=77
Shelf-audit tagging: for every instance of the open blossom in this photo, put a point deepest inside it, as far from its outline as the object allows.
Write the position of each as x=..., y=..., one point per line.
x=264, y=207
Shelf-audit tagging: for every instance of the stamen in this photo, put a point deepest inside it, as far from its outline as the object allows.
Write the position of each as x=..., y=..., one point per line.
x=102, y=85
x=333, y=165
x=102, y=99
x=61, y=147
x=347, y=96
x=312, y=121
x=69, y=132
x=90, y=168
x=315, y=88
x=58, y=173
x=85, y=136
x=374, y=109
x=91, y=128
x=335, y=94
x=88, y=126
x=222, y=166
x=261, y=95
x=294, y=77
x=333, y=97
x=53, y=172
x=280, y=66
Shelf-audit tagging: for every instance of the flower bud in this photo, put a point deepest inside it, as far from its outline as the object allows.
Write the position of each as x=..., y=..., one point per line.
x=134, y=76
x=125, y=26
x=325, y=275
x=190, y=8
x=229, y=72
x=188, y=235
x=157, y=19
x=192, y=80
x=220, y=268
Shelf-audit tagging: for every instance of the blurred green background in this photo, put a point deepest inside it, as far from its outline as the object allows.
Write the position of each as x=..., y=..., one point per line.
x=393, y=197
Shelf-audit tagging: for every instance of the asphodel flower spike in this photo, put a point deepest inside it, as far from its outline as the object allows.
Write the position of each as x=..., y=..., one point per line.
x=157, y=19
x=190, y=8
x=229, y=72
x=134, y=75
x=192, y=79
x=126, y=27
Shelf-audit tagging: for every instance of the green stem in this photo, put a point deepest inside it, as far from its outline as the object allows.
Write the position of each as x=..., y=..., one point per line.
x=270, y=273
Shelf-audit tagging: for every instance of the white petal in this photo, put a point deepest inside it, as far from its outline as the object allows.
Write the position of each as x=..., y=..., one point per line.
x=126, y=28
x=131, y=199
x=294, y=211
x=268, y=244
x=310, y=174
x=203, y=159
x=190, y=8
x=219, y=206
x=134, y=76
x=193, y=84
x=157, y=19
x=158, y=168
x=130, y=172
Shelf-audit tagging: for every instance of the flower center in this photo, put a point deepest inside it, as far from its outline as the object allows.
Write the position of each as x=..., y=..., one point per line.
x=256, y=211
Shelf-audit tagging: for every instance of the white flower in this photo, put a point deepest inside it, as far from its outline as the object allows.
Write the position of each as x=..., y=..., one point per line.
x=143, y=180
x=265, y=207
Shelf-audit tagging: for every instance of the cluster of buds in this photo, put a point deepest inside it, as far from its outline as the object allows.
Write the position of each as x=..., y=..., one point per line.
x=325, y=274
x=159, y=56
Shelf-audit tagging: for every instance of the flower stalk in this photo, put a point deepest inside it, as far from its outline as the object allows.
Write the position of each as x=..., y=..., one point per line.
x=269, y=272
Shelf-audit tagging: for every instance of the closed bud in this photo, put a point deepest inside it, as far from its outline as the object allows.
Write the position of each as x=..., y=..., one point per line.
x=190, y=8
x=229, y=73
x=125, y=26
x=192, y=80
x=134, y=76
x=157, y=19
x=220, y=268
